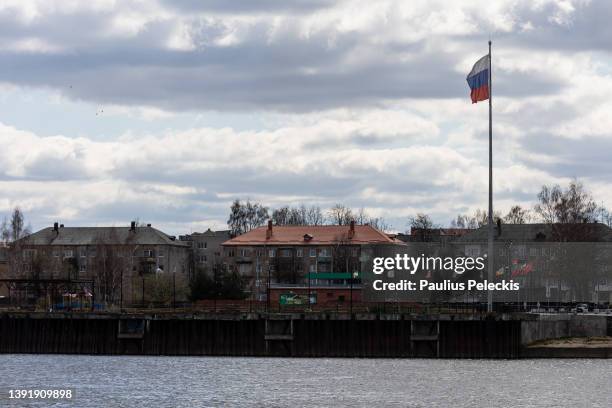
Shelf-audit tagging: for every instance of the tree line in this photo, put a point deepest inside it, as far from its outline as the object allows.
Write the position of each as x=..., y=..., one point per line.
x=555, y=204
x=246, y=215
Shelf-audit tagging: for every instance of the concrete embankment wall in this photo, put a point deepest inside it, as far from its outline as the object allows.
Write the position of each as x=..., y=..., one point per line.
x=556, y=326
x=256, y=335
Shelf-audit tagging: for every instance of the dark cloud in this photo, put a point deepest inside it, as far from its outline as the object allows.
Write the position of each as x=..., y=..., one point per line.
x=585, y=28
x=289, y=72
x=586, y=157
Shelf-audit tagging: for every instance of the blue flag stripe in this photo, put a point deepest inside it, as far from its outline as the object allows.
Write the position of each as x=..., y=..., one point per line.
x=479, y=80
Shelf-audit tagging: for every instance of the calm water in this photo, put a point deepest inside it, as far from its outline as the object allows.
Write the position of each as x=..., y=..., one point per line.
x=101, y=381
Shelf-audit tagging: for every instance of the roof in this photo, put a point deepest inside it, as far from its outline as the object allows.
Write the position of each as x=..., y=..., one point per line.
x=211, y=233
x=592, y=232
x=100, y=235
x=441, y=231
x=321, y=235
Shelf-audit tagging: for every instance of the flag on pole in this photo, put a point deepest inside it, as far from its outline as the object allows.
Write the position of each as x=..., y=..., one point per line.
x=521, y=269
x=478, y=80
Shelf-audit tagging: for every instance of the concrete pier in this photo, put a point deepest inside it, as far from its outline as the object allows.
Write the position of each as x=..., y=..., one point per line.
x=295, y=335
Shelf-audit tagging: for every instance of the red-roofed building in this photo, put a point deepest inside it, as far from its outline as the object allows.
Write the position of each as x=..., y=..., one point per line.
x=298, y=257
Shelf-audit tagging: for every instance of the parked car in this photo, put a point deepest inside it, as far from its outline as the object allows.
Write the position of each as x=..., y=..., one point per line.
x=582, y=308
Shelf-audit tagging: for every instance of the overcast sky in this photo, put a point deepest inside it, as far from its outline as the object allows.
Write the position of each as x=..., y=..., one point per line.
x=166, y=111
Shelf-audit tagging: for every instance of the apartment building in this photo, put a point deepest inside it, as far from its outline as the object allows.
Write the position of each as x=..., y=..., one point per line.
x=206, y=249
x=294, y=257
x=109, y=255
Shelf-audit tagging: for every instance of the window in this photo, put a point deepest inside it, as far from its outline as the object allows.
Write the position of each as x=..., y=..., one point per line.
x=324, y=267
x=200, y=245
x=230, y=253
x=55, y=253
x=82, y=268
x=245, y=252
x=324, y=253
x=205, y=245
x=83, y=252
x=312, y=268
x=299, y=252
x=92, y=253
x=272, y=253
x=68, y=253
x=285, y=253
x=160, y=253
x=472, y=251
x=202, y=259
x=147, y=253
x=313, y=253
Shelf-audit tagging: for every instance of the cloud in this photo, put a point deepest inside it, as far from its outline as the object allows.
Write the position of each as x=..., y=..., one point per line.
x=281, y=56
x=363, y=103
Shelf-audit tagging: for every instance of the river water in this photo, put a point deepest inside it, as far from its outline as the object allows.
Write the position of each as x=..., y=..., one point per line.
x=110, y=381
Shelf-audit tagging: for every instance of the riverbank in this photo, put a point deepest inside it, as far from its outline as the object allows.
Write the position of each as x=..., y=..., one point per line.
x=571, y=347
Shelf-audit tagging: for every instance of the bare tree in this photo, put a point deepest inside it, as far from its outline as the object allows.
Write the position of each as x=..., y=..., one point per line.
x=5, y=234
x=482, y=217
x=517, y=215
x=314, y=216
x=463, y=221
x=479, y=219
x=15, y=229
x=339, y=214
x=566, y=206
x=420, y=221
x=280, y=216
x=379, y=223
x=110, y=261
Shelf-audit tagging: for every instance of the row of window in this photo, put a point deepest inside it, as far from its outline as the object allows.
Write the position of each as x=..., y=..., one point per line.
x=516, y=251
x=91, y=252
x=288, y=253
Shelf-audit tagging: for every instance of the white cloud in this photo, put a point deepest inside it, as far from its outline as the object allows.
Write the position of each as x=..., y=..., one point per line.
x=356, y=101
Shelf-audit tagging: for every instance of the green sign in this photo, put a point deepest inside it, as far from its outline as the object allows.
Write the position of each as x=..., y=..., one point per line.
x=295, y=299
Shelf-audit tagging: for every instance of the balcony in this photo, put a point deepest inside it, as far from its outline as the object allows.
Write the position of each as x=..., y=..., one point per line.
x=243, y=259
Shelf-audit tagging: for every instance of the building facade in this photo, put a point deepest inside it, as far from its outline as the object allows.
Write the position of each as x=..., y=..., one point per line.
x=559, y=263
x=320, y=258
x=114, y=258
x=206, y=249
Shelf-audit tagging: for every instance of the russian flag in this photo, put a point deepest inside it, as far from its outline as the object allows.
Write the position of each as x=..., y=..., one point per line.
x=478, y=80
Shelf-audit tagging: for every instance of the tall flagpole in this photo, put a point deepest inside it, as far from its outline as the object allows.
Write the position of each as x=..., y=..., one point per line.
x=490, y=246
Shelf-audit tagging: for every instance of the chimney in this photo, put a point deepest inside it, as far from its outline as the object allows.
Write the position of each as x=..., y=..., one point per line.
x=133, y=226
x=61, y=225
x=55, y=227
x=148, y=225
x=269, y=230
x=351, y=233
